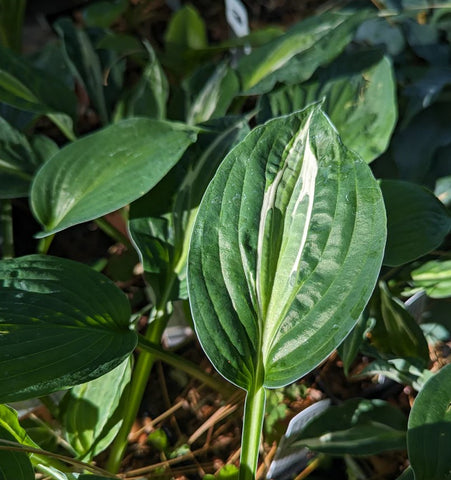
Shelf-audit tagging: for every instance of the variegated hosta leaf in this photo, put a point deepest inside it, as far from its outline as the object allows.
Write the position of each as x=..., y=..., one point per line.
x=285, y=251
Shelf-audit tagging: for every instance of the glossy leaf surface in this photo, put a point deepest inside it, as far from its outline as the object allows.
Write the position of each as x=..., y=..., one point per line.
x=61, y=324
x=106, y=170
x=359, y=97
x=294, y=56
x=417, y=222
x=160, y=223
x=285, y=251
x=429, y=429
x=396, y=331
x=90, y=418
x=357, y=427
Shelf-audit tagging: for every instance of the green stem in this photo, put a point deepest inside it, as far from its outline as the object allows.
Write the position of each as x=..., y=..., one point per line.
x=138, y=385
x=185, y=366
x=44, y=244
x=113, y=232
x=6, y=224
x=254, y=411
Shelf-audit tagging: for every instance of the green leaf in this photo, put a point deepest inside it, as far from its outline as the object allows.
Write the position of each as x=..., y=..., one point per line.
x=285, y=251
x=406, y=372
x=357, y=427
x=210, y=93
x=407, y=474
x=13, y=465
x=395, y=331
x=417, y=222
x=414, y=146
x=149, y=95
x=186, y=33
x=161, y=222
x=293, y=57
x=84, y=63
x=429, y=429
x=434, y=277
x=106, y=170
x=61, y=324
x=11, y=23
x=350, y=347
x=90, y=415
x=359, y=96
x=17, y=162
x=9, y=422
x=103, y=14
x=28, y=88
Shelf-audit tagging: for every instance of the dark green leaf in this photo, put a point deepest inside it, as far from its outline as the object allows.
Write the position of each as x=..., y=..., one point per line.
x=429, y=429
x=149, y=96
x=84, y=63
x=28, y=88
x=11, y=22
x=359, y=96
x=414, y=147
x=357, y=427
x=17, y=162
x=350, y=347
x=161, y=222
x=396, y=331
x=103, y=14
x=106, y=170
x=293, y=57
x=285, y=250
x=417, y=222
x=61, y=324
x=13, y=465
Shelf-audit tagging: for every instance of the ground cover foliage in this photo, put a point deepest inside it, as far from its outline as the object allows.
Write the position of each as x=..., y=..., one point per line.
x=226, y=256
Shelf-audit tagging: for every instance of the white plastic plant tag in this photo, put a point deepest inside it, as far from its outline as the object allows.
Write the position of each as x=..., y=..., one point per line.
x=236, y=15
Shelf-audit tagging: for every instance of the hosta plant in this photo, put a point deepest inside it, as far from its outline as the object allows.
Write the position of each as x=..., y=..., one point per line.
x=286, y=248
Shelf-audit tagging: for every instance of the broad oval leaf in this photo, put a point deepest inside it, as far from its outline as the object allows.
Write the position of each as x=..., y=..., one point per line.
x=417, y=222
x=61, y=324
x=285, y=251
x=429, y=429
x=106, y=170
x=359, y=97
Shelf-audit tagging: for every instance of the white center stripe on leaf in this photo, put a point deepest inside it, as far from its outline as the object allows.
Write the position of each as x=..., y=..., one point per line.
x=308, y=174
